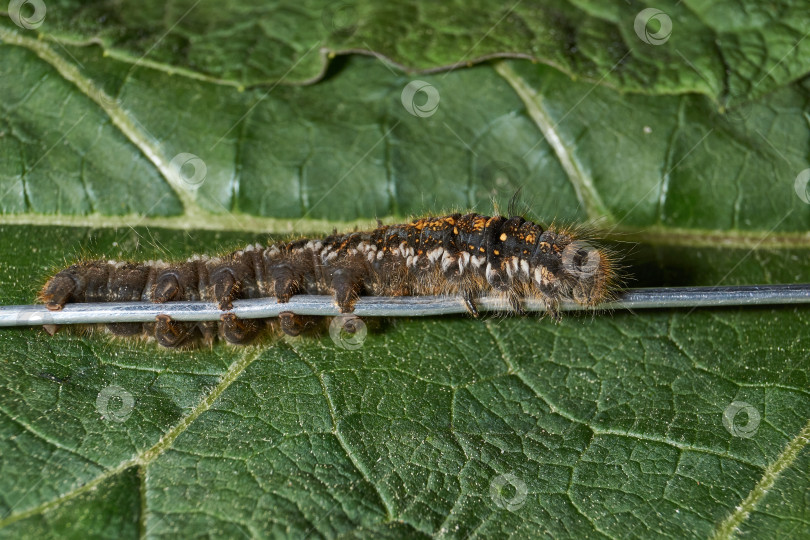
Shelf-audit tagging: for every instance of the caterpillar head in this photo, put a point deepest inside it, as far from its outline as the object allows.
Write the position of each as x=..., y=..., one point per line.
x=572, y=268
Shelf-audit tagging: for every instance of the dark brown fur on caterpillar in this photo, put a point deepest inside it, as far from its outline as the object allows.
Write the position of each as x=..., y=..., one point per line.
x=469, y=255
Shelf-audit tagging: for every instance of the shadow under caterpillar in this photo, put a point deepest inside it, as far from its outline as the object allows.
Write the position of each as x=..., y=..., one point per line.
x=468, y=255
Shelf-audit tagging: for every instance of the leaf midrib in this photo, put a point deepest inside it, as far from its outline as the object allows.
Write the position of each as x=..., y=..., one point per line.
x=249, y=224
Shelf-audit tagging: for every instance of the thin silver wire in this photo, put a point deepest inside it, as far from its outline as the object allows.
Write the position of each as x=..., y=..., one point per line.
x=402, y=306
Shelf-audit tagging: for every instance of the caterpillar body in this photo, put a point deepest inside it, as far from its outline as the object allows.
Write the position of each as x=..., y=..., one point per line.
x=468, y=255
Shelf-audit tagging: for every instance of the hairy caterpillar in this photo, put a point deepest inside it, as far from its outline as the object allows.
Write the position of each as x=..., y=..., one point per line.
x=468, y=255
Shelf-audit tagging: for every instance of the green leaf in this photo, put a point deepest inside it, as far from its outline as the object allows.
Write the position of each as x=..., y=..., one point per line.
x=348, y=149
x=735, y=50
x=673, y=423
x=613, y=424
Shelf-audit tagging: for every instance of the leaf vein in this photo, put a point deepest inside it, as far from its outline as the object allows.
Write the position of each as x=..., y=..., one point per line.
x=152, y=453
x=577, y=175
x=119, y=119
x=339, y=436
x=729, y=527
